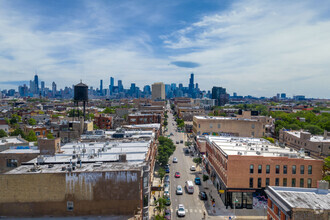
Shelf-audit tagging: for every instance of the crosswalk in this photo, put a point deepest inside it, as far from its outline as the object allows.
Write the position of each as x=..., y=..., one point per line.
x=190, y=210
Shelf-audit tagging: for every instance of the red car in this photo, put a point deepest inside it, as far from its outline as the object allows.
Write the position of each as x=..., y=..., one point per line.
x=177, y=175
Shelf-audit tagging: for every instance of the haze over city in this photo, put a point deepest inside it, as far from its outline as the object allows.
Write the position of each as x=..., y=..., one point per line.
x=250, y=47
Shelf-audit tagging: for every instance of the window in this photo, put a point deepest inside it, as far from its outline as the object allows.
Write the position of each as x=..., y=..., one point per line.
x=278, y=212
x=260, y=169
x=11, y=163
x=251, y=168
x=69, y=206
x=285, y=182
x=252, y=126
x=309, y=183
x=267, y=169
x=293, y=183
x=251, y=182
x=277, y=169
x=199, y=125
x=294, y=169
x=301, y=182
x=252, y=133
x=285, y=169
x=259, y=182
x=309, y=169
x=267, y=181
x=211, y=126
x=218, y=125
x=302, y=169
x=277, y=182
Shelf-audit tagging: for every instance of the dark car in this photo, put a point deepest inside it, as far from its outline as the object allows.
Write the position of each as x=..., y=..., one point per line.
x=168, y=201
x=177, y=142
x=202, y=195
x=167, y=214
x=181, y=142
x=167, y=178
x=198, y=181
x=167, y=168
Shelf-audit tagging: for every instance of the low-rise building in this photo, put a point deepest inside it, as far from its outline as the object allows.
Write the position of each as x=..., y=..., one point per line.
x=103, y=121
x=240, y=127
x=134, y=119
x=187, y=113
x=243, y=166
x=315, y=145
x=293, y=203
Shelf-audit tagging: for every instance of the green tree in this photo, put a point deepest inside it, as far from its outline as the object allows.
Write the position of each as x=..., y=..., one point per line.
x=271, y=140
x=165, y=123
x=161, y=173
x=3, y=133
x=32, y=121
x=15, y=119
x=160, y=205
x=314, y=129
x=31, y=136
x=326, y=169
x=17, y=132
x=50, y=136
x=197, y=161
x=108, y=110
x=205, y=177
x=75, y=113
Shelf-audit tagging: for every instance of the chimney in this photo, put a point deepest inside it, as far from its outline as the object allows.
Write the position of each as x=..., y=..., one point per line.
x=322, y=187
x=325, y=134
x=122, y=158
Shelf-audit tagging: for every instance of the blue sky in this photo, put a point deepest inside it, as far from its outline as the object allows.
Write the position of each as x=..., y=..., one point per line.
x=250, y=47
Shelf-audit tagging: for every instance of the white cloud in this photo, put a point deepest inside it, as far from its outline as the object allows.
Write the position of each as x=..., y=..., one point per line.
x=260, y=48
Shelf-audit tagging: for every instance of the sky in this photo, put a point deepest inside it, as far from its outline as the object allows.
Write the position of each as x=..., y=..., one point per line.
x=252, y=47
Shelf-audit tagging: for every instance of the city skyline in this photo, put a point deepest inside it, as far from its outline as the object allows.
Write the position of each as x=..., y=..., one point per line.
x=232, y=44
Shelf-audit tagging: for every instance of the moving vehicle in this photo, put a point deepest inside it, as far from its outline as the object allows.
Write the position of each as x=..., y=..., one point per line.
x=171, y=134
x=175, y=160
x=190, y=187
x=167, y=214
x=181, y=142
x=177, y=175
x=193, y=168
x=177, y=142
x=198, y=181
x=181, y=211
x=202, y=195
x=179, y=190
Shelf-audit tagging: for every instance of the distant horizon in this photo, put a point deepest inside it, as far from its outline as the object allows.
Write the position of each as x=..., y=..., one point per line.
x=253, y=47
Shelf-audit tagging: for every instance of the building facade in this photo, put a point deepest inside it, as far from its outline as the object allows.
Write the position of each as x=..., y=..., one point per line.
x=158, y=91
x=244, y=166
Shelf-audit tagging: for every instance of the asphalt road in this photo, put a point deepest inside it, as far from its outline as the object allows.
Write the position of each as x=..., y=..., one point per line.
x=193, y=205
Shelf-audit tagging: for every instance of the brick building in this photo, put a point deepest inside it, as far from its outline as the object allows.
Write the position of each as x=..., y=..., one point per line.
x=244, y=166
x=315, y=145
x=103, y=121
x=292, y=203
x=134, y=119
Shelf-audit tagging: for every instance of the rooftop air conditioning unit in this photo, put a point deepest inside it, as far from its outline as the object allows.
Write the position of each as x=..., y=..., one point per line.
x=258, y=152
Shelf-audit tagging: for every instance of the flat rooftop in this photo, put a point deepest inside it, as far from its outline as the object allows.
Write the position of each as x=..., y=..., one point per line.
x=252, y=147
x=11, y=140
x=223, y=118
x=314, y=138
x=99, y=152
x=154, y=125
x=21, y=150
x=304, y=198
x=85, y=167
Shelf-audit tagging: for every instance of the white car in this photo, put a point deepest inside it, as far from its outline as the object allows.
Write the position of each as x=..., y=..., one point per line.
x=181, y=211
x=175, y=160
x=193, y=168
x=179, y=190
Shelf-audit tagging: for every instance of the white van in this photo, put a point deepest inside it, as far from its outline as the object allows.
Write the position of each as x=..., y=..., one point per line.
x=167, y=191
x=190, y=187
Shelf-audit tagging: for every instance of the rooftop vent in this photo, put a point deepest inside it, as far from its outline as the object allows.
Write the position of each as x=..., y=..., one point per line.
x=322, y=187
x=258, y=152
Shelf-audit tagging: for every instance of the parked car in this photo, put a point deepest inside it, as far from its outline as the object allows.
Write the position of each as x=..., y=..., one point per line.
x=177, y=175
x=186, y=151
x=179, y=190
x=167, y=214
x=177, y=142
x=167, y=168
x=202, y=195
x=193, y=168
x=166, y=178
x=181, y=211
x=167, y=201
x=198, y=181
x=181, y=142
x=171, y=134
x=175, y=160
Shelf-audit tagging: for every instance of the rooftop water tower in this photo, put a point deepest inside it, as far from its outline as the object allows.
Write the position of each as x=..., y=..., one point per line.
x=80, y=95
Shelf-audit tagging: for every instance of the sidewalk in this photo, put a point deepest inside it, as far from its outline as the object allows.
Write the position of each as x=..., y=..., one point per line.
x=152, y=206
x=220, y=211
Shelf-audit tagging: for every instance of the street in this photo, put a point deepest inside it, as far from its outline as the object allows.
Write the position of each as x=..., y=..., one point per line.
x=194, y=207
